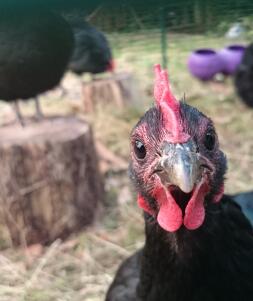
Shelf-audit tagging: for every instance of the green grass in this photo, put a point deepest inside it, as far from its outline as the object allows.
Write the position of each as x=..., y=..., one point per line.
x=81, y=268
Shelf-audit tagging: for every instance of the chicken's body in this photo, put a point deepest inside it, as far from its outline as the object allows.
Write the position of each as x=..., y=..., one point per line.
x=199, y=244
x=214, y=263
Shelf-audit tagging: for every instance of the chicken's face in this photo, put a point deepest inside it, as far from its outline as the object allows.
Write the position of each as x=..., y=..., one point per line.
x=176, y=164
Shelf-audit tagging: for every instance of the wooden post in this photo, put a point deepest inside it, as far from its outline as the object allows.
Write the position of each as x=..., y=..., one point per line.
x=50, y=184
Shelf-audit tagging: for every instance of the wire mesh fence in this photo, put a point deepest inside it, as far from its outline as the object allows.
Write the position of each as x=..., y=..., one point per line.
x=183, y=16
x=146, y=32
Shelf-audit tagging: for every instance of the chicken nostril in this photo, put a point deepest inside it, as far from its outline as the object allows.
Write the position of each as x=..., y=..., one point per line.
x=157, y=171
x=207, y=168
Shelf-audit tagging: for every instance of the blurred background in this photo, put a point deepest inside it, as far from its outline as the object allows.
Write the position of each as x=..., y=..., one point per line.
x=81, y=265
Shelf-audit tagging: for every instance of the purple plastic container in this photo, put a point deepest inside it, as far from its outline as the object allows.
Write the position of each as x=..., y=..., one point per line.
x=231, y=57
x=204, y=63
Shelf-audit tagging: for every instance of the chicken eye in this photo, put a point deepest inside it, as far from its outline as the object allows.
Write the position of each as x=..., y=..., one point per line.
x=139, y=149
x=209, y=141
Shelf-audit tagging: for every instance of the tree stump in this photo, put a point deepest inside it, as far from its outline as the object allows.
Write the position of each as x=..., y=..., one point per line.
x=50, y=185
x=119, y=90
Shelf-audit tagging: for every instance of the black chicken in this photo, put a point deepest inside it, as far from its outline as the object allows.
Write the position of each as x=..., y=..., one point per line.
x=199, y=244
x=244, y=77
x=92, y=53
x=35, y=49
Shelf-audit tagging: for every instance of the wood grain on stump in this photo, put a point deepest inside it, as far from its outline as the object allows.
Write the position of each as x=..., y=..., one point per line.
x=119, y=90
x=50, y=184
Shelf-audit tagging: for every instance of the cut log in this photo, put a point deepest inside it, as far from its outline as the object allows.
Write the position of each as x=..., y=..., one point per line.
x=50, y=185
x=119, y=90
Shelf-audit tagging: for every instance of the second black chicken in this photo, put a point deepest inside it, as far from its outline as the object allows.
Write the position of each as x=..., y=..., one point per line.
x=92, y=53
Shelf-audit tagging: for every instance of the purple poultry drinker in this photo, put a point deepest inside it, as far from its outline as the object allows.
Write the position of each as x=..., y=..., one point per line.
x=204, y=63
x=231, y=57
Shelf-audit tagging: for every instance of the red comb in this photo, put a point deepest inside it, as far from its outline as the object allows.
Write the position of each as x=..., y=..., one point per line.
x=169, y=106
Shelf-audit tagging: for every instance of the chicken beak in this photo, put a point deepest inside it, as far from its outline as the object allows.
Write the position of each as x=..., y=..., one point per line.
x=179, y=165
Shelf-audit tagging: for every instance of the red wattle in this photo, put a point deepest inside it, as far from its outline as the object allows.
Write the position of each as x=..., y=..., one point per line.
x=143, y=205
x=195, y=211
x=170, y=214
